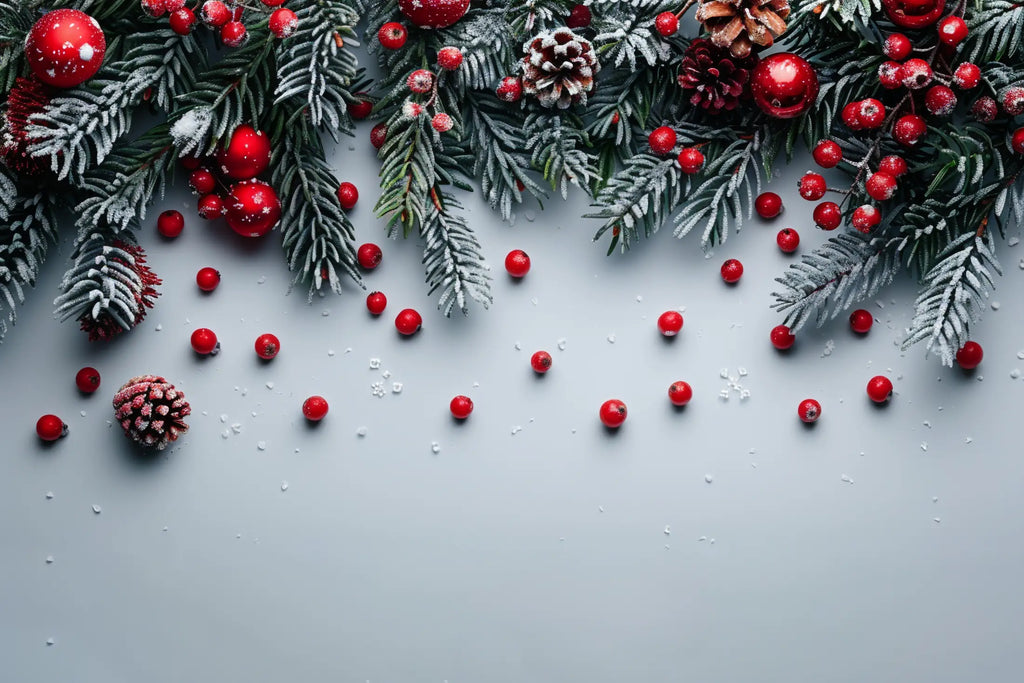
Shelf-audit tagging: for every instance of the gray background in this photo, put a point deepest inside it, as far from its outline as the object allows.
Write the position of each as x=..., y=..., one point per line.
x=881, y=544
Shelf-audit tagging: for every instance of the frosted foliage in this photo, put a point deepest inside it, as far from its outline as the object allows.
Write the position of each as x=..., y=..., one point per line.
x=190, y=131
x=847, y=11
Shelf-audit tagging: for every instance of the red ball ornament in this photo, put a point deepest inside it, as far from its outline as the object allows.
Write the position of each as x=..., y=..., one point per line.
x=662, y=140
x=87, y=380
x=897, y=46
x=670, y=323
x=782, y=337
x=376, y=302
x=666, y=24
x=50, y=428
x=579, y=17
x=1017, y=141
x=768, y=205
x=207, y=279
x=392, y=35
x=908, y=130
x=204, y=342
x=449, y=58
x=879, y=388
x=970, y=355
x=433, y=13
x=170, y=223
x=65, y=48
x=784, y=85
x=517, y=263
x=283, y=23
x=541, y=362
x=812, y=187
x=613, y=413
x=369, y=256
x=210, y=207
x=865, y=217
x=680, y=393
x=408, y=322
x=461, y=407
x=809, y=410
x=952, y=31
x=182, y=21
x=827, y=215
x=861, y=321
x=827, y=154
x=253, y=208
x=914, y=13
x=894, y=165
x=267, y=346
x=788, y=240
x=880, y=186
x=691, y=160
x=348, y=195
x=732, y=271
x=315, y=408
x=246, y=155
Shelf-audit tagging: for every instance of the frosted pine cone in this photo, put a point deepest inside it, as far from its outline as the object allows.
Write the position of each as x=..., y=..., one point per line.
x=717, y=79
x=559, y=68
x=151, y=411
x=740, y=24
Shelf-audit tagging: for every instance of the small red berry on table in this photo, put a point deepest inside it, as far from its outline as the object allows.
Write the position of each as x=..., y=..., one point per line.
x=348, y=195
x=879, y=388
x=680, y=393
x=369, y=256
x=861, y=321
x=204, y=341
x=170, y=223
x=969, y=356
x=392, y=35
x=207, y=279
x=812, y=187
x=782, y=337
x=827, y=215
x=662, y=140
x=408, y=321
x=691, y=160
x=732, y=271
x=540, y=362
x=670, y=323
x=666, y=24
x=809, y=410
x=768, y=205
x=267, y=346
x=376, y=302
x=517, y=263
x=50, y=428
x=461, y=407
x=613, y=413
x=87, y=380
x=788, y=240
x=827, y=154
x=315, y=408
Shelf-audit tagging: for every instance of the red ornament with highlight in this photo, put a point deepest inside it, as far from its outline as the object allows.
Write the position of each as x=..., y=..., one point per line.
x=204, y=341
x=65, y=48
x=768, y=205
x=461, y=407
x=861, y=321
x=433, y=13
x=517, y=263
x=170, y=223
x=369, y=256
x=87, y=380
x=670, y=323
x=207, y=279
x=541, y=362
x=970, y=355
x=809, y=410
x=408, y=322
x=348, y=195
x=784, y=85
x=392, y=35
x=782, y=337
x=879, y=389
x=788, y=240
x=662, y=140
x=732, y=271
x=253, y=208
x=50, y=428
x=246, y=155
x=315, y=408
x=376, y=302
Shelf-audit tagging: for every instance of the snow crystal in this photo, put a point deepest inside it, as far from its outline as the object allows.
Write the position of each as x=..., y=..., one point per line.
x=97, y=509
x=190, y=130
x=435, y=447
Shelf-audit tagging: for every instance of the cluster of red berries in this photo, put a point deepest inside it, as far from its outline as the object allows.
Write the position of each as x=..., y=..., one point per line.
x=217, y=16
x=50, y=427
x=662, y=141
x=425, y=82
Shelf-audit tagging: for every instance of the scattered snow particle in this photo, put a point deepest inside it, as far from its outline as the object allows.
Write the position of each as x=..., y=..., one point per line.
x=50, y=641
x=968, y=440
x=385, y=374
x=702, y=538
x=724, y=373
x=225, y=434
x=377, y=389
x=361, y=431
x=224, y=417
x=935, y=499
x=924, y=445
x=724, y=394
x=517, y=346
x=708, y=478
x=1015, y=373
x=639, y=298
x=435, y=447
x=284, y=485
x=936, y=519
x=375, y=363
x=668, y=530
x=533, y=301
x=261, y=279
x=611, y=338
x=846, y=478
x=330, y=352
x=236, y=428
x=1013, y=241
x=742, y=370
x=529, y=215
x=995, y=305
x=49, y=495
x=926, y=423
x=561, y=344
x=600, y=508
x=396, y=388
x=326, y=312
x=49, y=559
x=830, y=346
x=516, y=430
x=744, y=394
x=97, y=509
x=270, y=385
x=82, y=413
x=261, y=445
x=348, y=349
x=1021, y=264
x=712, y=541
x=158, y=327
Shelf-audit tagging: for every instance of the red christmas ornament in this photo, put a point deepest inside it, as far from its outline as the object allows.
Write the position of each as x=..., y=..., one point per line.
x=809, y=410
x=379, y=135
x=87, y=380
x=315, y=408
x=861, y=321
x=50, y=428
x=784, y=85
x=433, y=13
x=170, y=223
x=827, y=215
x=895, y=166
x=782, y=337
x=210, y=207
x=369, y=256
x=880, y=186
x=768, y=205
x=234, y=34
x=461, y=407
x=613, y=413
x=204, y=341
x=182, y=21
x=666, y=24
x=732, y=271
x=510, y=89
x=865, y=217
x=541, y=362
x=662, y=140
x=680, y=393
x=579, y=17
x=970, y=355
x=897, y=46
x=914, y=13
x=246, y=155
x=348, y=195
x=812, y=186
x=908, y=130
x=283, y=23
x=879, y=388
x=207, y=279
x=253, y=208
x=788, y=240
x=670, y=323
x=65, y=48
x=691, y=160
x=827, y=154
x=376, y=302
x=1017, y=141
x=952, y=31
x=408, y=322
x=392, y=35
x=267, y=346
x=517, y=263
x=967, y=76
x=449, y=58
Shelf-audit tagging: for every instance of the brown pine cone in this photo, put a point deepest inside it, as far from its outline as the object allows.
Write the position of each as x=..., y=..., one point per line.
x=151, y=411
x=559, y=68
x=740, y=24
x=718, y=80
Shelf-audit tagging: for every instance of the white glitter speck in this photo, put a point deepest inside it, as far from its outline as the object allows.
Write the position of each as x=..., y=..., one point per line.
x=97, y=509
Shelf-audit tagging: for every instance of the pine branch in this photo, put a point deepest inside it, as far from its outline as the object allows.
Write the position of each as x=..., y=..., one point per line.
x=842, y=11
x=453, y=259
x=626, y=34
x=408, y=174
x=531, y=16
x=996, y=30
x=489, y=49
x=15, y=21
x=29, y=225
x=8, y=192
x=641, y=196
x=559, y=149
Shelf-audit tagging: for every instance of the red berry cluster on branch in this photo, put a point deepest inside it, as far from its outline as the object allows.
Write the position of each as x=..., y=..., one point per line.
x=226, y=22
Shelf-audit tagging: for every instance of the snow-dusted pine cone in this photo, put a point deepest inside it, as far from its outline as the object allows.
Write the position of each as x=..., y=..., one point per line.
x=740, y=24
x=559, y=68
x=716, y=78
x=151, y=411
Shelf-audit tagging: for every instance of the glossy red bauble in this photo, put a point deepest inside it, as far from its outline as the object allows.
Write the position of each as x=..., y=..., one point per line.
x=662, y=140
x=214, y=13
x=348, y=195
x=541, y=362
x=768, y=205
x=861, y=321
x=827, y=154
x=433, y=13
x=408, y=321
x=50, y=428
x=732, y=271
x=850, y=116
x=65, y=48
x=517, y=263
x=894, y=165
x=670, y=323
x=827, y=215
x=788, y=240
x=202, y=181
x=267, y=346
x=680, y=393
x=908, y=130
x=914, y=13
x=812, y=186
x=253, y=208
x=784, y=85
x=170, y=223
x=666, y=24
x=461, y=407
x=969, y=356
x=897, y=46
x=315, y=408
x=865, y=217
x=207, y=279
x=376, y=302
x=880, y=186
x=392, y=35
x=1017, y=141
x=204, y=341
x=782, y=337
x=369, y=256
x=879, y=388
x=246, y=155
x=210, y=207
x=87, y=380
x=809, y=410
x=613, y=413
x=870, y=113
x=691, y=160
x=952, y=30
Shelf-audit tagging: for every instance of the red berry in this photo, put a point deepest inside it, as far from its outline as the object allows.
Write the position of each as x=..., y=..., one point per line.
x=170, y=223
x=449, y=58
x=888, y=76
x=369, y=256
x=680, y=393
x=915, y=74
x=315, y=408
x=894, y=165
x=272, y=3
x=408, y=322
x=940, y=100
x=782, y=337
x=970, y=355
x=348, y=195
x=827, y=154
x=985, y=109
x=517, y=263
x=871, y=113
x=202, y=181
x=579, y=17
x=211, y=207
x=441, y=122
x=267, y=346
x=361, y=108
x=861, y=321
x=234, y=34
x=540, y=362
x=207, y=279
x=788, y=240
x=613, y=413
x=204, y=341
x=967, y=76
x=182, y=21
x=1013, y=101
x=392, y=35
x=87, y=380
x=732, y=271
x=879, y=388
x=1017, y=141
x=666, y=24
x=461, y=407
x=50, y=428
x=662, y=140
x=215, y=13
x=809, y=410
x=510, y=89
x=827, y=215
x=908, y=130
x=190, y=163
x=376, y=302
x=379, y=135
x=768, y=205
x=865, y=217
x=670, y=323
x=691, y=160
x=812, y=187
x=880, y=186
x=850, y=117
x=154, y=8
x=897, y=46
x=283, y=23
x=420, y=81
x=952, y=30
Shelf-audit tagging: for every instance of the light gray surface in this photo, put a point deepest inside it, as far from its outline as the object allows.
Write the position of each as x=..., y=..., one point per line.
x=813, y=555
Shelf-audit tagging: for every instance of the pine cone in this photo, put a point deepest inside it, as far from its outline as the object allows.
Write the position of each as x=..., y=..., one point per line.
x=151, y=411
x=740, y=24
x=559, y=68
x=28, y=96
x=133, y=257
x=718, y=79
